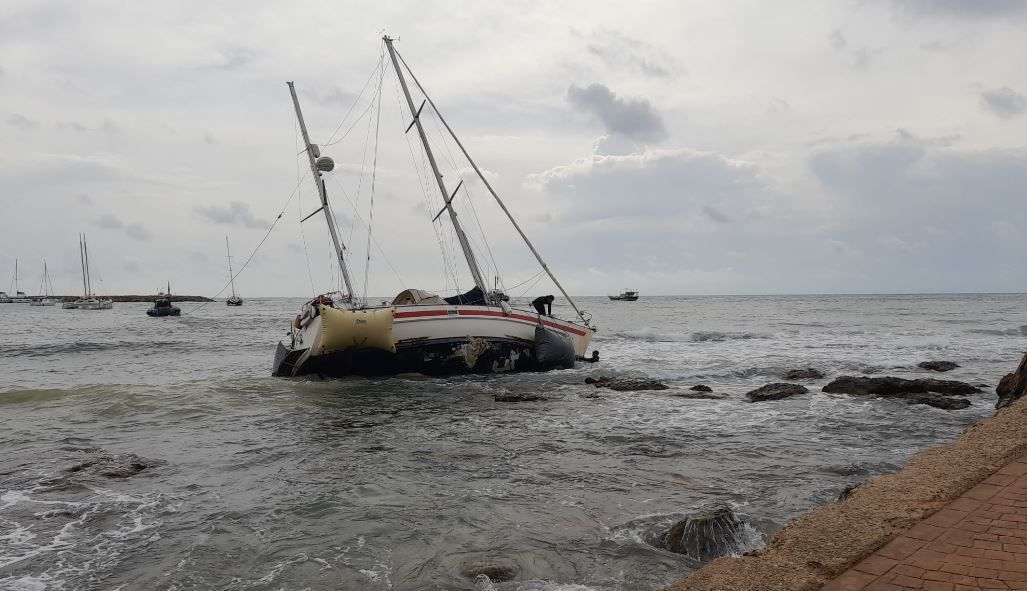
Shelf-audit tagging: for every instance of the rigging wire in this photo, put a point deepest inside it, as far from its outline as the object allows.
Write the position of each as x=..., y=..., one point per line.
x=375, y=240
x=374, y=175
x=299, y=208
x=255, y=249
x=353, y=106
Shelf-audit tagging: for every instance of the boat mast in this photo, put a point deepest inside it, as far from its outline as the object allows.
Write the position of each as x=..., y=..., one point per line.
x=488, y=186
x=89, y=280
x=465, y=245
x=82, y=261
x=231, y=276
x=15, y=277
x=312, y=154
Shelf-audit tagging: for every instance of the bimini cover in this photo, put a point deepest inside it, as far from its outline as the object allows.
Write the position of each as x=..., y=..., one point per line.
x=410, y=297
x=475, y=297
x=553, y=349
x=342, y=330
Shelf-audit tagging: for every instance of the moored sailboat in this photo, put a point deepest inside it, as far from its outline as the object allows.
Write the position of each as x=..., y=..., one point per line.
x=335, y=334
x=88, y=301
x=47, y=297
x=19, y=296
x=233, y=300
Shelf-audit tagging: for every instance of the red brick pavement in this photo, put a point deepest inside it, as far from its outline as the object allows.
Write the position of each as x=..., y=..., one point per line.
x=978, y=541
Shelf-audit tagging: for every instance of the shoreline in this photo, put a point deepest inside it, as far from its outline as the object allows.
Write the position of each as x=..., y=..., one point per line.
x=136, y=298
x=826, y=542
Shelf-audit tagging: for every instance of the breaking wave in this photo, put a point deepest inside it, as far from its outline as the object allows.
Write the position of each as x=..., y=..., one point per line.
x=701, y=336
x=55, y=349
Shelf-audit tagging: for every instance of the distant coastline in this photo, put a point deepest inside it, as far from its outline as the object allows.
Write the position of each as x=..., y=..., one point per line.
x=143, y=298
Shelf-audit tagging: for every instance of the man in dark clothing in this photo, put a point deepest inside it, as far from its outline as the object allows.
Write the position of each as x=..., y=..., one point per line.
x=541, y=304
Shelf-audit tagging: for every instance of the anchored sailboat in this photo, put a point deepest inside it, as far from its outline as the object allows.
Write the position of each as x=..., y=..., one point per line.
x=88, y=301
x=234, y=300
x=46, y=298
x=477, y=331
x=19, y=296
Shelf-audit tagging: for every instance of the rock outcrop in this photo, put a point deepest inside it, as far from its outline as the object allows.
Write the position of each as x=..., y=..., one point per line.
x=626, y=384
x=937, y=401
x=886, y=386
x=775, y=391
x=938, y=365
x=809, y=373
x=114, y=466
x=701, y=388
x=495, y=571
x=703, y=536
x=1013, y=386
x=518, y=397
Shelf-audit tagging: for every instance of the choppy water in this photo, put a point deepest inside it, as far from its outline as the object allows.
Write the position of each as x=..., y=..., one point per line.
x=265, y=483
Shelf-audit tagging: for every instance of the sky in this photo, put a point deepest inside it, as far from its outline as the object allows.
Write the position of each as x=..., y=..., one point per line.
x=742, y=147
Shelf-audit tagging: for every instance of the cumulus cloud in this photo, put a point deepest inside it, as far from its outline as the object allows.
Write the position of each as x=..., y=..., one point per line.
x=234, y=213
x=633, y=118
x=1004, y=102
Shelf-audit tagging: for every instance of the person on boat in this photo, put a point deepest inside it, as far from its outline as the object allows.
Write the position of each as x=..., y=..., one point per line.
x=542, y=303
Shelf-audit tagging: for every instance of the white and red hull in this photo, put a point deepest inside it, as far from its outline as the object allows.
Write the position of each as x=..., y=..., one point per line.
x=436, y=340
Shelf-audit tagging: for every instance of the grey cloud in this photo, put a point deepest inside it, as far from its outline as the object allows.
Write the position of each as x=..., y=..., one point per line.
x=133, y=230
x=136, y=231
x=108, y=222
x=634, y=118
x=22, y=122
x=715, y=214
x=615, y=49
x=235, y=212
x=84, y=199
x=1004, y=102
x=131, y=265
x=74, y=126
x=232, y=58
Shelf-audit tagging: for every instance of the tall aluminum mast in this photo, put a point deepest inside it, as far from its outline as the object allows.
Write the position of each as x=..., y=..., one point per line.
x=313, y=154
x=231, y=276
x=465, y=245
x=82, y=260
x=488, y=186
x=89, y=278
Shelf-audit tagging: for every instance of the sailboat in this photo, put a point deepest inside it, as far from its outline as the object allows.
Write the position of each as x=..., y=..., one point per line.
x=47, y=297
x=335, y=334
x=88, y=301
x=162, y=305
x=19, y=296
x=234, y=300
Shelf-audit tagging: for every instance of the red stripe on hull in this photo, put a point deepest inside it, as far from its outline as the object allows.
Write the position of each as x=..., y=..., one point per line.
x=515, y=316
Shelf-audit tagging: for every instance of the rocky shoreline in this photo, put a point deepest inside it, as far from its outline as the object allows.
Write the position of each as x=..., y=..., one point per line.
x=823, y=544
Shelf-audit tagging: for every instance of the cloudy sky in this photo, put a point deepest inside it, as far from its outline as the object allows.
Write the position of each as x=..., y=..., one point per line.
x=675, y=148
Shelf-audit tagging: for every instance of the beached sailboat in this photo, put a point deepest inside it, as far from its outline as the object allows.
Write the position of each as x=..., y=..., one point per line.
x=233, y=300
x=162, y=305
x=46, y=298
x=88, y=301
x=19, y=296
x=625, y=296
x=335, y=334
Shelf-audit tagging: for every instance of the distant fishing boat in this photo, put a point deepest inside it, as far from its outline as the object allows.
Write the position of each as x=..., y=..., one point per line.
x=88, y=301
x=625, y=296
x=337, y=334
x=47, y=297
x=162, y=305
x=19, y=296
x=234, y=300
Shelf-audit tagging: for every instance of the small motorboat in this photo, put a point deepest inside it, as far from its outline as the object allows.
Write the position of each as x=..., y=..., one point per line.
x=625, y=296
x=162, y=305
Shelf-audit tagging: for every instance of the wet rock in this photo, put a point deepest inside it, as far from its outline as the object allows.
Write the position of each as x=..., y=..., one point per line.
x=701, y=388
x=937, y=401
x=518, y=397
x=699, y=396
x=775, y=391
x=114, y=466
x=706, y=535
x=842, y=469
x=937, y=365
x=1013, y=386
x=890, y=386
x=848, y=490
x=626, y=384
x=495, y=571
x=809, y=373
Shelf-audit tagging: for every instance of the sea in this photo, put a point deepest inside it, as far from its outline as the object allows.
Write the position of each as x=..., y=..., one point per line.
x=159, y=453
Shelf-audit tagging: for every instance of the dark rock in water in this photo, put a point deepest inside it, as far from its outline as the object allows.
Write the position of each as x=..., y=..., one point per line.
x=775, y=392
x=704, y=536
x=937, y=365
x=843, y=469
x=848, y=490
x=1013, y=386
x=937, y=401
x=810, y=373
x=890, y=386
x=701, y=388
x=114, y=466
x=495, y=571
x=626, y=384
x=518, y=397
